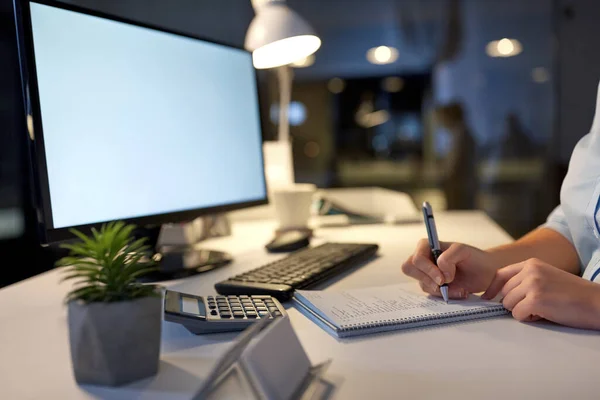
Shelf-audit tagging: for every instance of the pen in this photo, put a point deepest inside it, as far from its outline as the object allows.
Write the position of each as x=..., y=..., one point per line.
x=434, y=241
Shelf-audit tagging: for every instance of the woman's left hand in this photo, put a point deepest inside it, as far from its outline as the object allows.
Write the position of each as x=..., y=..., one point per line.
x=533, y=290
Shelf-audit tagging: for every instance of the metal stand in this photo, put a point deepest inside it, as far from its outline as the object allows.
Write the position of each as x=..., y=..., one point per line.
x=178, y=250
x=251, y=369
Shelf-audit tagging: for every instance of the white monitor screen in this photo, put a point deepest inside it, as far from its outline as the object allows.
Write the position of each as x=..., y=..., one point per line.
x=138, y=122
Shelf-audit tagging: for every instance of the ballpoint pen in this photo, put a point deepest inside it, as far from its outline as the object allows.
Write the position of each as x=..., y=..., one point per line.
x=434, y=242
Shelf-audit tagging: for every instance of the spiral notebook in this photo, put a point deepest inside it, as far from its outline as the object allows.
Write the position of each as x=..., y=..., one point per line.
x=379, y=309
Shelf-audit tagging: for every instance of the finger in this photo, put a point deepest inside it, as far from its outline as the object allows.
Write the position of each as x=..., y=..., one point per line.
x=514, y=296
x=457, y=292
x=512, y=283
x=410, y=270
x=432, y=290
x=500, y=278
x=455, y=254
x=454, y=292
x=426, y=265
x=524, y=312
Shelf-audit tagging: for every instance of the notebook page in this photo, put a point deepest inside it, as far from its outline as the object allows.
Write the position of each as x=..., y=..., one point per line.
x=369, y=305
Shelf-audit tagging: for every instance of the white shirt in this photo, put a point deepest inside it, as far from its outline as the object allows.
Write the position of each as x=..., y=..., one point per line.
x=577, y=217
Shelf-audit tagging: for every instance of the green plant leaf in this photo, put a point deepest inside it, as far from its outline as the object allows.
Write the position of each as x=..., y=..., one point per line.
x=105, y=265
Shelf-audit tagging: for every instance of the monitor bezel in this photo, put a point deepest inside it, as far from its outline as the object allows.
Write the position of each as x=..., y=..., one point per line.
x=31, y=99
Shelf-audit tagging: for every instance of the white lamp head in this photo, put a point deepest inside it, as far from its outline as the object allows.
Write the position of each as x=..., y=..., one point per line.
x=278, y=36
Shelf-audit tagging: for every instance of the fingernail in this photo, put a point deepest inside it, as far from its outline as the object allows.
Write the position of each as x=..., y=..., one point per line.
x=439, y=280
x=447, y=275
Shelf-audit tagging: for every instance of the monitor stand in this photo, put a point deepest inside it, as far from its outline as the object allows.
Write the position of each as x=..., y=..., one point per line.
x=177, y=261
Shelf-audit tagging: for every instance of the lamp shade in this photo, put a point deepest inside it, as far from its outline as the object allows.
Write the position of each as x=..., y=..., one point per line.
x=278, y=36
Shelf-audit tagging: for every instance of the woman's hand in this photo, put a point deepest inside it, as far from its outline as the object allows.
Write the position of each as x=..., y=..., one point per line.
x=533, y=290
x=464, y=268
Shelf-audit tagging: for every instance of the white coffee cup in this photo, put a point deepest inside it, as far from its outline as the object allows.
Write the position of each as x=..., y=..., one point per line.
x=292, y=205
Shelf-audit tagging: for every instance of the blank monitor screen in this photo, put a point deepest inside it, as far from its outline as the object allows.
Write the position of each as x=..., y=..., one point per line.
x=139, y=122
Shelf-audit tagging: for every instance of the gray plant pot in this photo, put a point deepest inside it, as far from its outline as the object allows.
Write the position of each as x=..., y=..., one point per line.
x=115, y=343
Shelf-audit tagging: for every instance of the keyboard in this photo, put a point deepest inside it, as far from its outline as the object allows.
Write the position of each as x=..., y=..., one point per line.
x=300, y=270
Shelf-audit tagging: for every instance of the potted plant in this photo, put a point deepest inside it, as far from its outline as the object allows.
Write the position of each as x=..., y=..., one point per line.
x=114, y=321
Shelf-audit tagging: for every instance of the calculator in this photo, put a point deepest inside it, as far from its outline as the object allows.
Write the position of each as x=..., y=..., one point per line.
x=211, y=314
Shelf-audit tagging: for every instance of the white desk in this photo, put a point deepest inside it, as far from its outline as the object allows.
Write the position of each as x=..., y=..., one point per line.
x=497, y=358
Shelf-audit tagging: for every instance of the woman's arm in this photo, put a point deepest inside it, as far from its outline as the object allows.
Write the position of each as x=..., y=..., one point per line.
x=544, y=244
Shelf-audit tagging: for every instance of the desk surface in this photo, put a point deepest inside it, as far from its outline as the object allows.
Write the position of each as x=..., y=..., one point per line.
x=495, y=358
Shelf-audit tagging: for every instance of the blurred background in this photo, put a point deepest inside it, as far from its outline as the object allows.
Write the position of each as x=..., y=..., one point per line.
x=469, y=104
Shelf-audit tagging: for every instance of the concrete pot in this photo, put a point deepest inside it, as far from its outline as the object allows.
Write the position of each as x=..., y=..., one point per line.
x=115, y=343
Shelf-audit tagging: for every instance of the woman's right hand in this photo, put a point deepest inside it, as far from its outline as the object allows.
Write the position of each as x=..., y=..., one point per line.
x=464, y=268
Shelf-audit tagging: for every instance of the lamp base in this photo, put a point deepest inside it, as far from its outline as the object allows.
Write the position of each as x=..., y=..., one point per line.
x=279, y=164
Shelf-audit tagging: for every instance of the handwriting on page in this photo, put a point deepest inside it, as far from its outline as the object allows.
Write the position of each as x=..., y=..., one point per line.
x=402, y=301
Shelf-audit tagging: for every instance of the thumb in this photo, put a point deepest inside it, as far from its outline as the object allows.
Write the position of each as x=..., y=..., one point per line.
x=500, y=278
x=455, y=254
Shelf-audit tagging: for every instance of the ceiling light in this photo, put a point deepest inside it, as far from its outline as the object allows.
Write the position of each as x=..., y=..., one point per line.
x=382, y=55
x=304, y=62
x=504, y=48
x=336, y=85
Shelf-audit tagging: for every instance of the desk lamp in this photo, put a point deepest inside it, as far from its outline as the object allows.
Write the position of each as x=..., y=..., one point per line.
x=277, y=37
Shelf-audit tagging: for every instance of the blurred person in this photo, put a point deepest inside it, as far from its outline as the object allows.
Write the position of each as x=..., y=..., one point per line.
x=460, y=180
x=517, y=142
x=552, y=272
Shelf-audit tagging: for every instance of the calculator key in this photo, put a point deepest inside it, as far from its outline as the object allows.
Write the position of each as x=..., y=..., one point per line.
x=212, y=306
x=231, y=296
x=210, y=298
x=238, y=314
x=213, y=312
x=243, y=297
x=276, y=314
x=221, y=297
x=251, y=314
x=263, y=313
x=273, y=309
x=259, y=308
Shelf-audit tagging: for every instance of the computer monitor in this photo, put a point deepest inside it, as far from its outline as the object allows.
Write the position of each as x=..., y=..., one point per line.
x=136, y=123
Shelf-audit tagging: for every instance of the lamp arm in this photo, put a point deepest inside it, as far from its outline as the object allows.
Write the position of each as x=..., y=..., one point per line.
x=285, y=77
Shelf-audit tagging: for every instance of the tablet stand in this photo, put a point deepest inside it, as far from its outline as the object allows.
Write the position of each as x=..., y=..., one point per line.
x=267, y=362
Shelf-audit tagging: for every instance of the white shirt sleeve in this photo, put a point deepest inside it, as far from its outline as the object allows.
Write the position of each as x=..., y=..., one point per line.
x=557, y=222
